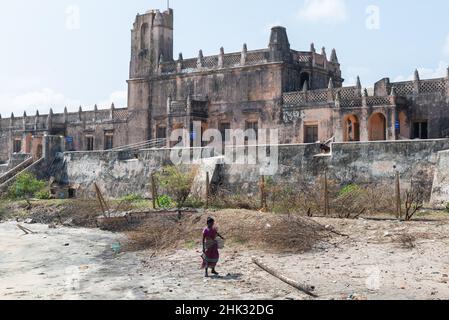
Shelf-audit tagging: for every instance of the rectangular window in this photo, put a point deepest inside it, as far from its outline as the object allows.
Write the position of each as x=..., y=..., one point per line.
x=108, y=141
x=310, y=133
x=420, y=130
x=89, y=143
x=223, y=127
x=161, y=133
x=252, y=125
x=17, y=147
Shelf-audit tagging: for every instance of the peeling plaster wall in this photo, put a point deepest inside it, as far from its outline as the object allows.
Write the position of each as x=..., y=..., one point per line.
x=440, y=191
x=360, y=163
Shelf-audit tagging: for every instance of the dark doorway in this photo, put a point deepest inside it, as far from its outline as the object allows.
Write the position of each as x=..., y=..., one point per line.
x=420, y=130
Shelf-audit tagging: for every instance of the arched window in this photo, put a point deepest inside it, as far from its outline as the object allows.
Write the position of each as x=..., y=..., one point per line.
x=377, y=127
x=351, y=128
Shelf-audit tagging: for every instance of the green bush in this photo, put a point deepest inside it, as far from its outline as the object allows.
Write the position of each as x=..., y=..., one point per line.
x=26, y=186
x=176, y=182
x=43, y=195
x=165, y=202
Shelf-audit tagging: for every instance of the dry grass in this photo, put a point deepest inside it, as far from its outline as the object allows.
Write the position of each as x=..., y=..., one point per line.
x=281, y=233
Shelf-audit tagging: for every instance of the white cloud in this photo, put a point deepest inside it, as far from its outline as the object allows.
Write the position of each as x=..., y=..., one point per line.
x=426, y=73
x=328, y=11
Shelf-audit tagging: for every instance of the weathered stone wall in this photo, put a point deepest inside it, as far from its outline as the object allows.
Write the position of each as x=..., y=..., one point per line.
x=360, y=163
x=115, y=172
x=440, y=190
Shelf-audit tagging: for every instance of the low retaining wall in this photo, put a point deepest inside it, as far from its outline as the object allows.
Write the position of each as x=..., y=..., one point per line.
x=360, y=163
x=440, y=191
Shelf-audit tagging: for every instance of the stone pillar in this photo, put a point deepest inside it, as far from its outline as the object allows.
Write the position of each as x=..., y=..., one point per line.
x=179, y=65
x=244, y=54
x=221, y=58
x=363, y=126
x=338, y=128
x=416, y=81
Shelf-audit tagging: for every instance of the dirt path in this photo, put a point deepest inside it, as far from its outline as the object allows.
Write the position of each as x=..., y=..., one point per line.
x=42, y=266
x=69, y=263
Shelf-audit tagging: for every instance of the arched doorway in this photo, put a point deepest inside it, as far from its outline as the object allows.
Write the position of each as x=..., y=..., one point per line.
x=351, y=127
x=304, y=77
x=377, y=127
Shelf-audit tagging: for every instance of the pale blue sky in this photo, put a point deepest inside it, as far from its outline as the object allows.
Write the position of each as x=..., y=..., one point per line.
x=44, y=63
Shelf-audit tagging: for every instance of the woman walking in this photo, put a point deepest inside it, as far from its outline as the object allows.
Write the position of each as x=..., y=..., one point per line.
x=210, y=247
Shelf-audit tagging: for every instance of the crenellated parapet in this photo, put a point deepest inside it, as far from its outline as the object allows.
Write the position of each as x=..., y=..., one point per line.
x=47, y=122
x=385, y=93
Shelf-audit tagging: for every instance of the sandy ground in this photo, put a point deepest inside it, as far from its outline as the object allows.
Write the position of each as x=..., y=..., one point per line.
x=68, y=263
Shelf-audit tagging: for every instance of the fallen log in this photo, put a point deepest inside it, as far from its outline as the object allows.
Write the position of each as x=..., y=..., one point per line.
x=301, y=287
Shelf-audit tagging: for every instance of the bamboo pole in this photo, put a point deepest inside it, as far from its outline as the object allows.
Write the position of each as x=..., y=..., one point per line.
x=398, y=196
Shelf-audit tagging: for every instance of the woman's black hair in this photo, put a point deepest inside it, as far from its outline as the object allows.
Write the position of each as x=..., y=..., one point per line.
x=210, y=220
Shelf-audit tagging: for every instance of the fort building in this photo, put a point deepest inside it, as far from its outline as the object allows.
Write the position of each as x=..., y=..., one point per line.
x=301, y=93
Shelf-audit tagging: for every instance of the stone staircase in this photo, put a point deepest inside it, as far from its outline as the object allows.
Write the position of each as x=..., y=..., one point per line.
x=9, y=177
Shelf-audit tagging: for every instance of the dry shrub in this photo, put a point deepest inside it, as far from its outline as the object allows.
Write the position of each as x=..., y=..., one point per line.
x=225, y=199
x=407, y=241
x=77, y=212
x=288, y=233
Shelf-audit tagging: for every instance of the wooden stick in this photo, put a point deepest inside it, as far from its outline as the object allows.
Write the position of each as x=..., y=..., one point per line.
x=263, y=194
x=398, y=196
x=303, y=288
x=153, y=190
x=326, y=196
x=25, y=230
x=207, y=189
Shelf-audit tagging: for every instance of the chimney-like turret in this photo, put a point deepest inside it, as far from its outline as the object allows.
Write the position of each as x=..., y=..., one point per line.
x=221, y=58
x=279, y=45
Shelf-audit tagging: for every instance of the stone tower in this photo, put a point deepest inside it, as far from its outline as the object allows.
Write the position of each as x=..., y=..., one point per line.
x=151, y=42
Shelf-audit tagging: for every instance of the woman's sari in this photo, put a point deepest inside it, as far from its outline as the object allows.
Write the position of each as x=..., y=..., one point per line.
x=211, y=255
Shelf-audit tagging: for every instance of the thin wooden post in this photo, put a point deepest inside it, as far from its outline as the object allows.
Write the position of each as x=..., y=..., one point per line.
x=398, y=196
x=263, y=195
x=207, y=189
x=326, y=196
x=153, y=191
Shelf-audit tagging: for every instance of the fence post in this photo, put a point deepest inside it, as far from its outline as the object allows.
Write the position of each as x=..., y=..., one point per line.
x=326, y=196
x=398, y=196
x=263, y=196
x=153, y=191
x=207, y=189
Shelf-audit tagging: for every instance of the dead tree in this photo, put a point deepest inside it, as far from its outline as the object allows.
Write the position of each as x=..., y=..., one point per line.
x=414, y=200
